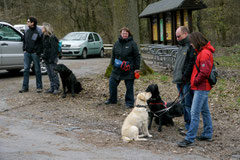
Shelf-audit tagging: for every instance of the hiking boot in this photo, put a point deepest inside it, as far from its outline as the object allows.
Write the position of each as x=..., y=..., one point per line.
x=49, y=91
x=56, y=91
x=23, y=90
x=39, y=90
x=201, y=138
x=185, y=143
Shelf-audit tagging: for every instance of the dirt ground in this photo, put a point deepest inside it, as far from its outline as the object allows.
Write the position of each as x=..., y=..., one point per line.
x=100, y=124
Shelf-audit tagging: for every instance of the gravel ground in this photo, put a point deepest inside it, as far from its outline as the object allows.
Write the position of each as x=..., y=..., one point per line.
x=88, y=120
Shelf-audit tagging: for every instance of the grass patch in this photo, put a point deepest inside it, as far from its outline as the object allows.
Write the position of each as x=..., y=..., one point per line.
x=229, y=61
x=156, y=76
x=230, y=56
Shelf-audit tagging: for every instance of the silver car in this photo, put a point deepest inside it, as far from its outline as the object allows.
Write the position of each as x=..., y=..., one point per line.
x=82, y=44
x=11, y=53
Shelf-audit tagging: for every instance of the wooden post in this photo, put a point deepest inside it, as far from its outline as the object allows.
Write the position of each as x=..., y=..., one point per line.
x=158, y=29
x=190, y=21
x=164, y=29
x=174, y=24
x=151, y=23
x=182, y=17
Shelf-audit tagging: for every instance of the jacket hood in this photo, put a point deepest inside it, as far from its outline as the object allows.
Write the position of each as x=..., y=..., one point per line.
x=209, y=47
x=130, y=38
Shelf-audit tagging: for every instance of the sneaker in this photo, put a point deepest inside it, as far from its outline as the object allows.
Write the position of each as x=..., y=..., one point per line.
x=23, y=90
x=56, y=91
x=201, y=138
x=109, y=102
x=183, y=132
x=128, y=107
x=185, y=143
x=39, y=90
x=49, y=91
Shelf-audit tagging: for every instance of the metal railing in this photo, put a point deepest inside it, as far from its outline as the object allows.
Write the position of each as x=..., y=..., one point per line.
x=163, y=55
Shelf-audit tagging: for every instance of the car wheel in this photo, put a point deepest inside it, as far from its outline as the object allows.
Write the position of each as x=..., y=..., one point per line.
x=101, y=53
x=14, y=70
x=84, y=54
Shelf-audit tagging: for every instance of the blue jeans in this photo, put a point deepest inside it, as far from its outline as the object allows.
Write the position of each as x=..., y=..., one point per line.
x=28, y=58
x=129, y=96
x=53, y=76
x=186, y=102
x=200, y=105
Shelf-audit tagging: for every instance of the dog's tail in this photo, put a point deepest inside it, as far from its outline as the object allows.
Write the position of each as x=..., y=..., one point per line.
x=126, y=139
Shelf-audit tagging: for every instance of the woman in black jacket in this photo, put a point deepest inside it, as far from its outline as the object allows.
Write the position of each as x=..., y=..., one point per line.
x=50, y=57
x=126, y=62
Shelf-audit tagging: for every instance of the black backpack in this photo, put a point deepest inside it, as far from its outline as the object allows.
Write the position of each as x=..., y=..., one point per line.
x=212, y=79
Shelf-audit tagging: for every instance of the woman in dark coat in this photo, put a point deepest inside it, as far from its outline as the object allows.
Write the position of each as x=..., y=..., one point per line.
x=126, y=62
x=50, y=57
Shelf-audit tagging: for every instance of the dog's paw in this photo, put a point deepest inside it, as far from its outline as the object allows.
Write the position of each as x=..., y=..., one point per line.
x=149, y=135
x=64, y=96
x=73, y=95
x=159, y=129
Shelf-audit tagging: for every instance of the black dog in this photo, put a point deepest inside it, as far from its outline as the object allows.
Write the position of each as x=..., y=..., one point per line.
x=69, y=80
x=160, y=110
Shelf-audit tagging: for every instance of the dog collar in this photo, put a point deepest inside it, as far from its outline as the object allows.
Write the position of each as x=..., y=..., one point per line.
x=164, y=104
x=141, y=106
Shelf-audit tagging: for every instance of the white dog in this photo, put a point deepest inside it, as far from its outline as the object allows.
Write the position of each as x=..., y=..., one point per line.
x=137, y=120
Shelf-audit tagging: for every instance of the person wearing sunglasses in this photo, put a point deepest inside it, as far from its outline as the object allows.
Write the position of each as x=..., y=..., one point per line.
x=182, y=73
x=32, y=48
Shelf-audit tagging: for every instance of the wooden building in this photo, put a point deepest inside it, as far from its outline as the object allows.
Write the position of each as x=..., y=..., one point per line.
x=167, y=15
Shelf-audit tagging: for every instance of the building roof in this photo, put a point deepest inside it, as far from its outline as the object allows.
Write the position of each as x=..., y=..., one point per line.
x=170, y=5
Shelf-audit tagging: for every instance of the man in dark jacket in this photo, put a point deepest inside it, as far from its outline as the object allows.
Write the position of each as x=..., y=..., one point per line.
x=32, y=47
x=125, y=52
x=183, y=69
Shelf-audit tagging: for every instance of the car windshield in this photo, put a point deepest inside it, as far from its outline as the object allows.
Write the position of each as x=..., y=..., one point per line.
x=75, y=36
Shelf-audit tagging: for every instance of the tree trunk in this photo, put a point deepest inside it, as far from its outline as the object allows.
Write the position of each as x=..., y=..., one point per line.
x=125, y=14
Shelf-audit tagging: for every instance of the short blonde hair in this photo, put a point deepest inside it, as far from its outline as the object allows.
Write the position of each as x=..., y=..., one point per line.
x=48, y=28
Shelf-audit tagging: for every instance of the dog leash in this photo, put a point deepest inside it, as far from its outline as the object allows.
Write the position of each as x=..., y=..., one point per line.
x=172, y=104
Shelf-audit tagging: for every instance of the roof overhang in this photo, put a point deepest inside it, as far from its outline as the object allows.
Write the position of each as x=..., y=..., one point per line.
x=171, y=5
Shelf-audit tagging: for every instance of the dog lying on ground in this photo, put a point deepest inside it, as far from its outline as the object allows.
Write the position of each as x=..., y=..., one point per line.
x=158, y=109
x=137, y=120
x=69, y=80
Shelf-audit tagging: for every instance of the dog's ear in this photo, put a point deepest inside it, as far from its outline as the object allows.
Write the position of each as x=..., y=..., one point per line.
x=156, y=90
